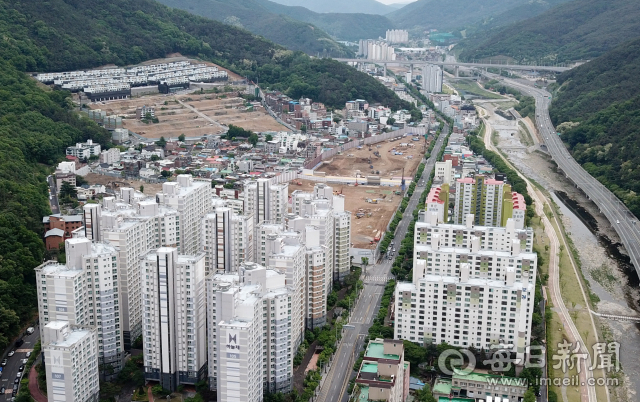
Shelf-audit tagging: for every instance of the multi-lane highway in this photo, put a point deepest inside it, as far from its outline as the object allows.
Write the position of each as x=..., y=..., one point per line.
x=336, y=380
x=622, y=220
x=11, y=369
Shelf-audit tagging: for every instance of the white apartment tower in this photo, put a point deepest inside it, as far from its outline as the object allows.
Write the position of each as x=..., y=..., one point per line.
x=432, y=78
x=233, y=300
x=472, y=286
x=266, y=201
x=227, y=239
x=70, y=352
x=191, y=199
x=84, y=291
x=134, y=225
x=174, y=326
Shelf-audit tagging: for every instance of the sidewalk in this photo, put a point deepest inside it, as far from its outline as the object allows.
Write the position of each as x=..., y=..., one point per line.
x=34, y=390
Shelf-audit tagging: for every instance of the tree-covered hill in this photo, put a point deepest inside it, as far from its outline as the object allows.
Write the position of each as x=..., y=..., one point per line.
x=252, y=16
x=340, y=6
x=603, y=97
x=72, y=34
x=449, y=14
x=35, y=128
x=342, y=26
x=578, y=30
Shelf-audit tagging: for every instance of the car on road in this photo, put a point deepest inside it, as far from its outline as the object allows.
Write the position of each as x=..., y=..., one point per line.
x=16, y=381
x=617, y=221
x=24, y=361
x=394, y=250
x=4, y=363
x=13, y=352
x=2, y=389
x=28, y=354
x=21, y=368
x=19, y=343
x=18, y=374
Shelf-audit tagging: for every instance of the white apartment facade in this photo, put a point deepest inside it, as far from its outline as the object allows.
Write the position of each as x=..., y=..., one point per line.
x=472, y=286
x=84, y=291
x=84, y=150
x=72, y=362
x=174, y=322
x=267, y=202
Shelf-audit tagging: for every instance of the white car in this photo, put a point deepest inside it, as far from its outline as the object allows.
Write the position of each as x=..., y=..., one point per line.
x=13, y=352
x=617, y=221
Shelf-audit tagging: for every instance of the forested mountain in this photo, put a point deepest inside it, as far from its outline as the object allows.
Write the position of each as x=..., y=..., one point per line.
x=603, y=96
x=578, y=30
x=37, y=124
x=252, y=16
x=450, y=14
x=342, y=26
x=341, y=6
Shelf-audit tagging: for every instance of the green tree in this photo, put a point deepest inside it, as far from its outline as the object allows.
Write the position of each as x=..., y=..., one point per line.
x=529, y=395
x=390, y=121
x=161, y=142
x=141, y=188
x=253, y=139
x=268, y=137
x=303, y=128
x=165, y=173
x=424, y=395
x=68, y=191
x=154, y=158
x=337, y=120
x=181, y=137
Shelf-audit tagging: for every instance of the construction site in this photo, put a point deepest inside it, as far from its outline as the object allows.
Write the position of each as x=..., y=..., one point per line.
x=386, y=159
x=372, y=207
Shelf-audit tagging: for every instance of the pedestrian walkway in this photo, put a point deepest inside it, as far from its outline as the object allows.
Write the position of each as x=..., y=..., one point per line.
x=377, y=278
x=34, y=390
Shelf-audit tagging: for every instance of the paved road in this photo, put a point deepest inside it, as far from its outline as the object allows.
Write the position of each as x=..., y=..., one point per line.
x=53, y=195
x=335, y=384
x=456, y=63
x=622, y=220
x=14, y=362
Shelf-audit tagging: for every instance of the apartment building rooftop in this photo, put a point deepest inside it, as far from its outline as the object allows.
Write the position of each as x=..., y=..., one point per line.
x=55, y=268
x=376, y=349
x=71, y=337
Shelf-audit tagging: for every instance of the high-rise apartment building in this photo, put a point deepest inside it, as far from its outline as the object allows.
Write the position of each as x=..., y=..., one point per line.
x=490, y=201
x=174, y=321
x=438, y=202
x=267, y=202
x=227, y=239
x=397, y=36
x=70, y=352
x=472, y=286
x=85, y=292
x=432, y=78
x=135, y=225
x=191, y=198
x=252, y=304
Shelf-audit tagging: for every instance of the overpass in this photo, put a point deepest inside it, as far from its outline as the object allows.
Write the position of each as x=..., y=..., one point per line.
x=456, y=64
x=616, y=212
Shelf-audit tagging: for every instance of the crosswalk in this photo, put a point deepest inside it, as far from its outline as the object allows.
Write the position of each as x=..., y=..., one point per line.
x=377, y=279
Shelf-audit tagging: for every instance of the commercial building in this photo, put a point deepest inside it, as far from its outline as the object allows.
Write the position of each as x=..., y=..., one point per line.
x=432, y=78
x=491, y=202
x=70, y=353
x=383, y=374
x=250, y=313
x=471, y=286
x=84, y=150
x=84, y=291
x=174, y=326
x=479, y=386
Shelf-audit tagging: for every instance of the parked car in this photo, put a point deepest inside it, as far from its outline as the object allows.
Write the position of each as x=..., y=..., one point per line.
x=28, y=354
x=21, y=368
x=13, y=352
x=19, y=343
x=2, y=389
x=4, y=363
x=30, y=330
x=16, y=381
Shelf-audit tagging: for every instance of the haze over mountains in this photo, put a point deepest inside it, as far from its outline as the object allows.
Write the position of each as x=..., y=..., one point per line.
x=341, y=6
x=578, y=30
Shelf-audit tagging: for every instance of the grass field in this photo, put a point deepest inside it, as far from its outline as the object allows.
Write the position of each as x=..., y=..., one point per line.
x=470, y=87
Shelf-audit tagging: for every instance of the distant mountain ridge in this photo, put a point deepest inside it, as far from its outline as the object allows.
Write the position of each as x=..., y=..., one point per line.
x=252, y=16
x=578, y=30
x=340, y=6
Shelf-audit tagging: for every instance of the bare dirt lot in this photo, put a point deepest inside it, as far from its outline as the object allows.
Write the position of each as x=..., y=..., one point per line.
x=389, y=165
x=175, y=119
x=364, y=229
x=149, y=188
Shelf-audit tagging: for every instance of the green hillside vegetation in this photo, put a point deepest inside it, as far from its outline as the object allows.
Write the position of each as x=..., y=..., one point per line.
x=449, y=14
x=578, y=30
x=340, y=6
x=342, y=26
x=71, y=34
x=35, y=128
x=281, y=29
x=603, y=97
